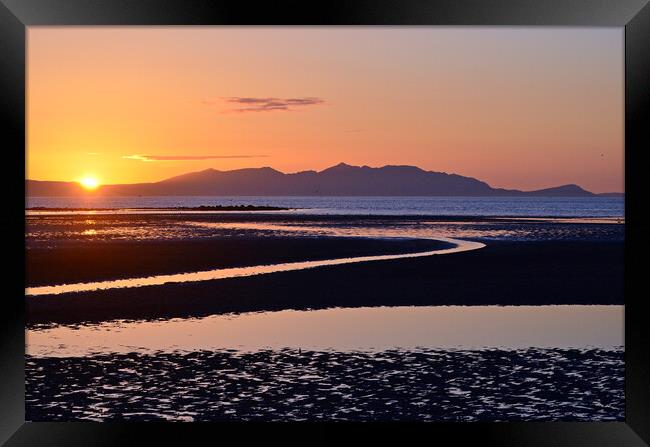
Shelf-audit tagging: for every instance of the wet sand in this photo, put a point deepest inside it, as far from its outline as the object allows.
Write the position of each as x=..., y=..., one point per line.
x=522, y=263
x=290, y=385
x=85, y=261
x=503, y=273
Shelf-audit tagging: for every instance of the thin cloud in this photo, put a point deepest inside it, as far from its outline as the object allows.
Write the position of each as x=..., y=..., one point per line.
x=141, y=157
x=247, y=104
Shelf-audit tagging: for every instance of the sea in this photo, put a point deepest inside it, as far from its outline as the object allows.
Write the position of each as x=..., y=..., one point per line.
x=613, y=207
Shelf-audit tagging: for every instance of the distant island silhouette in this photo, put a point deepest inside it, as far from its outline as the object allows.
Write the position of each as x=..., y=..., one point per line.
x=339, y=180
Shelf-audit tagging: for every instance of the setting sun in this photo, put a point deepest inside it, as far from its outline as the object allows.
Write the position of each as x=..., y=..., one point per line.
x=89, y=182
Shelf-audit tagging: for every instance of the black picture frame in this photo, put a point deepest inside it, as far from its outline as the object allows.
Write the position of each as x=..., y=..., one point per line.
x=16, y=15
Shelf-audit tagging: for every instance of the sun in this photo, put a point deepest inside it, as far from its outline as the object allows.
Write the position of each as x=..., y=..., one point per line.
x=89, y=182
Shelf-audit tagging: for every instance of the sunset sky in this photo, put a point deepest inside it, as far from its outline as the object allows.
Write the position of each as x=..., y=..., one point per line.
x=518, y=108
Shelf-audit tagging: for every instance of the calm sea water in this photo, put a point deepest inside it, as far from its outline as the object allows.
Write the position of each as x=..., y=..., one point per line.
x=430, y=206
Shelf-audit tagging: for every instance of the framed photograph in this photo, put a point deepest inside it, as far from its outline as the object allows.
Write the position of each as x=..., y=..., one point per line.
x=373, y=219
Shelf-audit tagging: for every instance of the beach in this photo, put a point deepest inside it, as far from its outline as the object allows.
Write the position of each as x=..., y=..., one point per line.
x=422, y=225
x=292, y=385
x=522, y=263
x=287, y=317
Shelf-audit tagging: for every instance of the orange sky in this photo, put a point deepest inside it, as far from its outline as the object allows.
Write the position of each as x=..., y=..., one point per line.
x=516, y=107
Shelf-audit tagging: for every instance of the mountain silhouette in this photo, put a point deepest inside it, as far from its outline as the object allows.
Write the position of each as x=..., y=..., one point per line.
x=339, y=180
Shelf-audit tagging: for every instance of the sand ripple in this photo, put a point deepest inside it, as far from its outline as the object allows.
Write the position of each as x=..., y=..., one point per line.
x=436, y=385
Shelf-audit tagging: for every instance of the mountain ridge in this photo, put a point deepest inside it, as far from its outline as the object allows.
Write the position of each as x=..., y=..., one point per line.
x=338, y=180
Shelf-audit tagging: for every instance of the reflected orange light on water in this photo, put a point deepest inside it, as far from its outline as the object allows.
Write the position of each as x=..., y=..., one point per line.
x=345, y=329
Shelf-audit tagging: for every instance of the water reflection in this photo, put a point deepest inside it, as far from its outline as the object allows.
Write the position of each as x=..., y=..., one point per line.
x=56, y=230
x=346, y=329
x=136, y=211
x=235, y=272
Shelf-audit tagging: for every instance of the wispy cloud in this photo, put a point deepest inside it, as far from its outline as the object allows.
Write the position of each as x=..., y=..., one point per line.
x=247, y=104
x=142, y=157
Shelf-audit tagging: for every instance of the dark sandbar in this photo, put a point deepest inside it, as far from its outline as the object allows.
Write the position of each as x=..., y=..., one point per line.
x=503, y=273
x=86, y=261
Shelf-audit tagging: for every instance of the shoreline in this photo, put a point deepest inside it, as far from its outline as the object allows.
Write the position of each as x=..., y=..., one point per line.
x=295, y=214
x=170, y=208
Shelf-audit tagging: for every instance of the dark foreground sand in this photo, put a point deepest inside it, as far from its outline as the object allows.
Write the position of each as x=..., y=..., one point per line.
x=85, y=261
x=530, y=264
x=503, y=273
x=290, y=385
